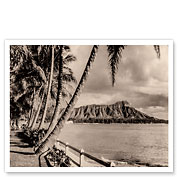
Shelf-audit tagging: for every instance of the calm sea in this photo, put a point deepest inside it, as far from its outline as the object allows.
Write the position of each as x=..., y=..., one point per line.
x=146, y=143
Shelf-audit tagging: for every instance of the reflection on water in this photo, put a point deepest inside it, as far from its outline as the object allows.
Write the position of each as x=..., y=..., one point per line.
x=147, y=143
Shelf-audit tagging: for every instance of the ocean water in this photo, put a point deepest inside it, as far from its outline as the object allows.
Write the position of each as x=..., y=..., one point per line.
x=145, y=143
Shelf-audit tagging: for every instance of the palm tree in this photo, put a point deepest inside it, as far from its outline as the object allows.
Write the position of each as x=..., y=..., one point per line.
x=60, y=77
x=34, y=102
x=38, y=72
x=34, y=121
x=30, y=64
x=48, y=142
x=41, y=54
x=31, y=112
x=49, y=89
x=23, y=79
x=115, y=54
x=65, y=76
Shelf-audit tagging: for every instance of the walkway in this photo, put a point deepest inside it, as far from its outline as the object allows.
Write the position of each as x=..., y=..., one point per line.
x=21, y=155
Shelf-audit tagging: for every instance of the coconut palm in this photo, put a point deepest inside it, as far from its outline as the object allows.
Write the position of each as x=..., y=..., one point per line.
x=23, y=79
x=38, y=72
x=49, y=89
x=34, y=60
x=48, y=142
x=31, y=112
x=41, y=55
x=40, y=100
x=115, y=54
x=65, y=77
x=30, y=63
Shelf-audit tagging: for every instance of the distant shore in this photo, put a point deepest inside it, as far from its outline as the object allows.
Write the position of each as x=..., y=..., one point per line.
x=119, y=121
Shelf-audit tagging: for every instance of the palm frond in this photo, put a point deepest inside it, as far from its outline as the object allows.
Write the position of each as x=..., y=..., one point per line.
x=69, y=78
x=69, y=58
x=68, y=86
x=157, y=49
x=66, y=48
x=67, y=70
x=115, y=55
x=66, y=93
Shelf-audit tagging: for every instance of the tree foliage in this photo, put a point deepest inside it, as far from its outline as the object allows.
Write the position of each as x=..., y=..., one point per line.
x=29, y=69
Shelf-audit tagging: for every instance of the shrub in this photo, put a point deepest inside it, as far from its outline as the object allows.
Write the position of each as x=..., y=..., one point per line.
x=32, y=137
x=57, y=158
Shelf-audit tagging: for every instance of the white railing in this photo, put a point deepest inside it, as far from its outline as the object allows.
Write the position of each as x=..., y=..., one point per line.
x=78, y=155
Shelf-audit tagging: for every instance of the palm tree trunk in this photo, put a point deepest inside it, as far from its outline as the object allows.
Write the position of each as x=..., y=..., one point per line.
x=59, y=97
x=37, y=113
x=32, y=109
x=36, y=97
x=50, y=140
x=49, y=89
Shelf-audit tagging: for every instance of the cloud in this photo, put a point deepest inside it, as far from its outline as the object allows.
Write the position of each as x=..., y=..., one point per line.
x=93, y=98
x=139, y=68
x=142, y=78
x=156, y=111
x=148, y=100
x=140, y=64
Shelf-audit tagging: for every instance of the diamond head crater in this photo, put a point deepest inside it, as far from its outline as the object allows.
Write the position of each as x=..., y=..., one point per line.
x=119, y=112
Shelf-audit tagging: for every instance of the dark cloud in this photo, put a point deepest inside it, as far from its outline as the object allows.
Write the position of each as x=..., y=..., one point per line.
x=150, y=100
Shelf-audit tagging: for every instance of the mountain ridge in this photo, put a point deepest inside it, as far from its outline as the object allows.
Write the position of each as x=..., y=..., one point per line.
x=119, y=112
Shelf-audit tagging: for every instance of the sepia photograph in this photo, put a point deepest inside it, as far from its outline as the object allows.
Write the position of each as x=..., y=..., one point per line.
x=77, y=104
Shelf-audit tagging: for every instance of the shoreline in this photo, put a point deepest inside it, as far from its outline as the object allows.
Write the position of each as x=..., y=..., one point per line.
x=116, y=161
x=121, y=163
x=80, y=123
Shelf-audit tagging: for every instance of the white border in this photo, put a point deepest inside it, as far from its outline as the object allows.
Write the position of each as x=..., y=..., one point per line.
x=89, y=169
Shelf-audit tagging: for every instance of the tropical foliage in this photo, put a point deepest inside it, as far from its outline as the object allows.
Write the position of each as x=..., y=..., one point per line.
x=29, y=73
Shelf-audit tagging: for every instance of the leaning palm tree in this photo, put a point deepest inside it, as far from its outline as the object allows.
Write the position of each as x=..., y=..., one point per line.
x=115, y=54
x=48, y=91
x=64, y=75
x=64, y=82
x=48, y=142
x=25, y=75
x=59, y=94
x=41, y=54
x=38, y=72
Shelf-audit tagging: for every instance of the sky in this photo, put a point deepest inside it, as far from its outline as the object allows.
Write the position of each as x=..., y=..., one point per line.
x=142, y=79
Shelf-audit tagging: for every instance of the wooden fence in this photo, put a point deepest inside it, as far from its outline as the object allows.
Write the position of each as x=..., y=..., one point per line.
x=77, y=156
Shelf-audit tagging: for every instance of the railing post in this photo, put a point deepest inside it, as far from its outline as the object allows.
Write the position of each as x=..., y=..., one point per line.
x=66, y=148
x=81, y=157
x=112, y=164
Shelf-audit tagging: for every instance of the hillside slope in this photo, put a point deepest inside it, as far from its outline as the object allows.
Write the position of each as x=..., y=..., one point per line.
x=120, y=112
